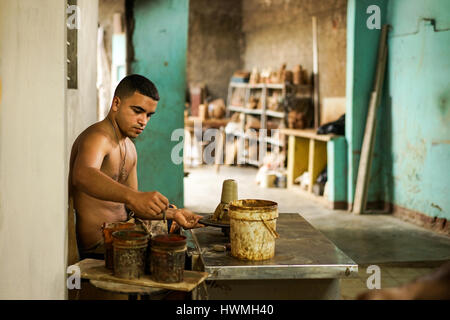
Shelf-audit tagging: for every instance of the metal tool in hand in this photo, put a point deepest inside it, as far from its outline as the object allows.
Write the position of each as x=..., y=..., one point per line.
x=164, y=212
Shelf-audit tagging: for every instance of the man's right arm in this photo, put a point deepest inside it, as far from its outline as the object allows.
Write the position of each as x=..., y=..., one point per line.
x=88, y=178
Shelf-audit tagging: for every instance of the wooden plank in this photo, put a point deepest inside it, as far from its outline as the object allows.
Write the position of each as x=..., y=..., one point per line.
x=276, y=114
x=125, y=288
x=316, y=73
x=317, y=160
x=275, y=86
x=95, y=270
x=365, y=162
x=72, y=50
x=245, y=110
x=298, y=150
x=308, y=133
x=238, y=85
x=264, y=108
x=208, y=123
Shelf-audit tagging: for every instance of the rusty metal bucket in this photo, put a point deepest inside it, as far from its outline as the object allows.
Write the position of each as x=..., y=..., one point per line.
x=167, y=258
x=253, y=228
x=130, y=248
x=108, y=229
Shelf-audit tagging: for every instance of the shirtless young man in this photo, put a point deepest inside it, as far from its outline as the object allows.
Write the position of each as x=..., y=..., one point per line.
x=103, y=161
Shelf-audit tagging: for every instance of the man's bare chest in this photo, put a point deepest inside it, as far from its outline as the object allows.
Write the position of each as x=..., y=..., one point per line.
x=117, y=165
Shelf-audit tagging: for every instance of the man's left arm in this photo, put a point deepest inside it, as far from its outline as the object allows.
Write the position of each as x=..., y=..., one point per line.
x=132, y=180
x=183, y=217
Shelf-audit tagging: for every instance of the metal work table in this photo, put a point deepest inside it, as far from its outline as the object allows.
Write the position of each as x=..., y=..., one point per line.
x=306, y=264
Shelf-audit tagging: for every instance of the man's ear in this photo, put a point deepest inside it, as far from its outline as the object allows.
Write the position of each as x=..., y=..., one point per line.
x=116, y=103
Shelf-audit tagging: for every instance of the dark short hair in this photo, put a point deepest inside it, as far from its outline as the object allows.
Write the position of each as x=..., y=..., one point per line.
x=135, y=82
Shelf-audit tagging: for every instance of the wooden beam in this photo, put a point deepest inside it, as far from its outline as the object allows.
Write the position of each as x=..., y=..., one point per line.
x=365, y=162
x=316, y=74
x=72, y=50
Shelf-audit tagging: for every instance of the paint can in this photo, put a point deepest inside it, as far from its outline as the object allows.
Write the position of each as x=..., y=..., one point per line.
x=281, y=180
x=253, y=229
x=167, y=258
x=130, y=247
x=108, y=229
x=268, y=180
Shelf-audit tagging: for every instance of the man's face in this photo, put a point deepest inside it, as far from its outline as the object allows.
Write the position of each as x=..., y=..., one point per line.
x=133, y=113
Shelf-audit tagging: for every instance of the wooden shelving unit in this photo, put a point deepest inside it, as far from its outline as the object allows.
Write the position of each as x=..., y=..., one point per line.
x=309, y=151
x=263, y=113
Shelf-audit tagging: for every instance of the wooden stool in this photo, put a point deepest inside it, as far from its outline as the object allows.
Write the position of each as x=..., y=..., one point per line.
x=145, y=293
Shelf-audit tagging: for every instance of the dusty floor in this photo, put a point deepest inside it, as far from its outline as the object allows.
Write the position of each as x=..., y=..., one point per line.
x=403, y=251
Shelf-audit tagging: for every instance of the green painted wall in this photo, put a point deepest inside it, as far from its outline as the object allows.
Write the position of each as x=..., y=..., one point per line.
x=362, y=46
x=337, y=170
x=412, y=150
x=419, y=86
x=160, y=42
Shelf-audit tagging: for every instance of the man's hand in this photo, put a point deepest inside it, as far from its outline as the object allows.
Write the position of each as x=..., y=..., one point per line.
x=187, y=219
x=148, y=205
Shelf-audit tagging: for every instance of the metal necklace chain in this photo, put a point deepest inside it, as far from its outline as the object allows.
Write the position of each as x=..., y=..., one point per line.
x=122, y=171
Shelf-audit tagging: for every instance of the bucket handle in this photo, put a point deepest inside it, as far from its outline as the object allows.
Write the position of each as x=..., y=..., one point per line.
x=272, y=231
x=225, y=208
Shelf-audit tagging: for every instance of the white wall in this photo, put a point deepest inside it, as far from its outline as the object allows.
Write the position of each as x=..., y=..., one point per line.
x=82, y=102
x=39, y=119
x=33, y=161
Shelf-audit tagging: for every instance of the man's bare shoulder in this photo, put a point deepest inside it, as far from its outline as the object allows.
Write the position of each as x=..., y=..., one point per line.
x=132, y=150
x=131, y=145
x=95, y=141
x=96, y=134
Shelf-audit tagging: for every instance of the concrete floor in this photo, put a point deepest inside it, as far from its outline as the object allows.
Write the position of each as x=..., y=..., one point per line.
x=402, y=250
